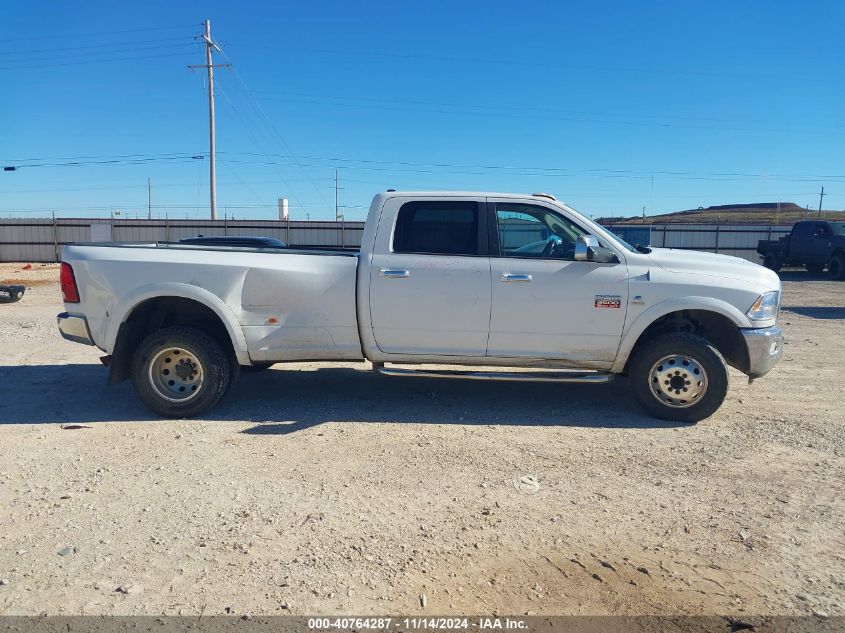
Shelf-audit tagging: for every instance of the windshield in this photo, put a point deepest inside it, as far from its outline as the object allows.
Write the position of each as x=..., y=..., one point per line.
x=837, y=228
x=624, y=243
x=614, y=233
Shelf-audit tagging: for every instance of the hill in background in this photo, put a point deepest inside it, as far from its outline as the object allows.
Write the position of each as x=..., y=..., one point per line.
x=753, y=213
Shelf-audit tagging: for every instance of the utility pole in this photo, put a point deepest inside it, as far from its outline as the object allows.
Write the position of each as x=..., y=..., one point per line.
x=336, y=187
x=651, y=209
x=149, y=200
x=338, y=217
x=209, y=66
x=821, y=196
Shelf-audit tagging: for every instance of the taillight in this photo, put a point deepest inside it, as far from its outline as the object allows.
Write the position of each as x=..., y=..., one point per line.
x=69, y=290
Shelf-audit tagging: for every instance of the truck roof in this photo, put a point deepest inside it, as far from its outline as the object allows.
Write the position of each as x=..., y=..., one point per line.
x=466, y=194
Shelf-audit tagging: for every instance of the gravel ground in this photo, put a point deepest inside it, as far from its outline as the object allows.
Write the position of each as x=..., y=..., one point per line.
x=319, y=488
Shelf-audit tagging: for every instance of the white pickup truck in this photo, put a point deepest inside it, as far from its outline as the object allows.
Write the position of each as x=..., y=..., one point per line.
x=503, y=286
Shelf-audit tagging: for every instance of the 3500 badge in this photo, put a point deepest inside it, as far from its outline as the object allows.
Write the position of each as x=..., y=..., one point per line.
x=608, y=301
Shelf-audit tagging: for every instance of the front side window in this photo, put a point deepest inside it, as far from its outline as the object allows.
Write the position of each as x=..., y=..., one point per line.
x=530, y=231
x=820, y=231
x=437, y=228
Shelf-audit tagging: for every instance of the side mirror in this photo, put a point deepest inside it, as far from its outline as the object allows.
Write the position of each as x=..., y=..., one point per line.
x=587, y=249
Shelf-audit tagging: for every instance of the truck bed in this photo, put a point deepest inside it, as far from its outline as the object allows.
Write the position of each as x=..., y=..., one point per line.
x=290, y=304
x=771, y=246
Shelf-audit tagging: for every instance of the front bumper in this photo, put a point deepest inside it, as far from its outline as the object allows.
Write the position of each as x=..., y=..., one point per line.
x=765, y=346
x=74, y=328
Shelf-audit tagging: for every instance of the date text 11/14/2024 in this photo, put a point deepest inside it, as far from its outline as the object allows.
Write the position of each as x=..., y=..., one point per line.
x=417, y=623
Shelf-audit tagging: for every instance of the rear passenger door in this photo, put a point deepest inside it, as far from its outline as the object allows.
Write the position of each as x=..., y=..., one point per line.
x=430, y=278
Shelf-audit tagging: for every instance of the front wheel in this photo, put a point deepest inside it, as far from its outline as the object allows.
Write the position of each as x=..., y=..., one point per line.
x=679, y=377
x=180, y=372
x=836, y=267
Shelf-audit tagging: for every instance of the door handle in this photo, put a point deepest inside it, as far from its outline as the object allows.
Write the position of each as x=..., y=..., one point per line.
x=398, y=274
x=514, y=277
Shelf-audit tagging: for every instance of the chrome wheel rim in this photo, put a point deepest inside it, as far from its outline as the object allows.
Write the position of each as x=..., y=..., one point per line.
x=175, y=374
x=678, y=381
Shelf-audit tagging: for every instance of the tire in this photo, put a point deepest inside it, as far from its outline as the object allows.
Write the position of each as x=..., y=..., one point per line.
x=657, y=357
x=836, y=267
x=772, y=262
x=256, y=367
x=181, y=372
x=815, y=269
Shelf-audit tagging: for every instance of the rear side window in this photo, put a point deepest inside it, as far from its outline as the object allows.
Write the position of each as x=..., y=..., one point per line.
x=437, y=228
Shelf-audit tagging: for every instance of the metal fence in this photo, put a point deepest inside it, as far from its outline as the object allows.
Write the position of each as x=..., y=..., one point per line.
x=739, y=240
x=41, y=240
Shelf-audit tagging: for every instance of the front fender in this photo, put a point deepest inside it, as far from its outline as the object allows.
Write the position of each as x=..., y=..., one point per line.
x=639, y=325
x=124, y=306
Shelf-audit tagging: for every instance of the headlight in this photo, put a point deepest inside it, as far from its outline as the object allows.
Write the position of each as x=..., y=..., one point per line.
x=765, y=308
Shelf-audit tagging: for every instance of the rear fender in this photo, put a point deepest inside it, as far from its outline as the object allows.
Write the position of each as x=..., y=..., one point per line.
x=121, y=311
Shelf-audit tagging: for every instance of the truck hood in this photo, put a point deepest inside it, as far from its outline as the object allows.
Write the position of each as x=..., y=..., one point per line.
x=713, y=265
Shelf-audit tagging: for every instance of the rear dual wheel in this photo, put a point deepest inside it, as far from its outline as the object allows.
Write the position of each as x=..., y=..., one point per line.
x=679, y=377
x=181, y=372
x=772, y=262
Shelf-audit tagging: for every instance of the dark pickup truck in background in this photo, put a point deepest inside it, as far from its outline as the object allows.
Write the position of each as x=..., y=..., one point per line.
x=814, y=244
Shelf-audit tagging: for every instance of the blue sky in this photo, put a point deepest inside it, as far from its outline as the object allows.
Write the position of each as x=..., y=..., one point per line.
x=611, y=106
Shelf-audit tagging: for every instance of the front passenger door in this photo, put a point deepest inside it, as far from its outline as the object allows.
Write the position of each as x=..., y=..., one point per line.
x=818, y=245
x=546, y=305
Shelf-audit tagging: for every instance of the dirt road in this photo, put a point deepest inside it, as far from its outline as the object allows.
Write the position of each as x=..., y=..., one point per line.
x=321, y=488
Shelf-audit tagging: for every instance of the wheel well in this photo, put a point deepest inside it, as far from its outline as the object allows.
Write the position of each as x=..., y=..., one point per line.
x=722, y=333
x=159, y=313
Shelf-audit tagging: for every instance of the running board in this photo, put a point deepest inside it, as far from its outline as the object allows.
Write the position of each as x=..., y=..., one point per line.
x=563, y=376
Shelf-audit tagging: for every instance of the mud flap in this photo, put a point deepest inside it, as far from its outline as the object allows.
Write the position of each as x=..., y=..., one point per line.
x=128, y=337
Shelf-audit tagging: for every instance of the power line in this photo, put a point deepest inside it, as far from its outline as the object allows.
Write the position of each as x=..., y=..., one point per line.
x=270, y=125
x=552, y=171
x=124, y=49
x=544, y=174
x=249, y=131
x=238, y=181
x=651, y=70
x=98, y=157
x=446, y=168
x=426, y=167
x=116, y=161
x=64, y=36
x=94, y=61
x=571, y=119
x=522, y=108
x=76, y=48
